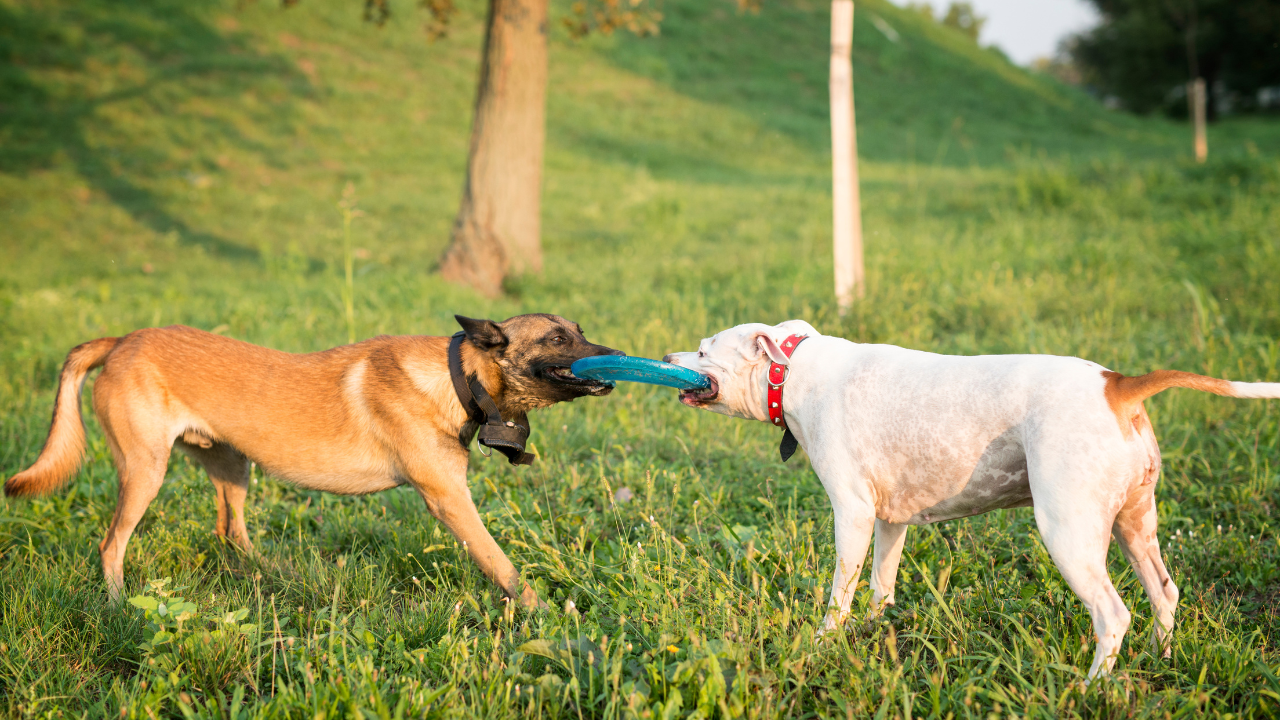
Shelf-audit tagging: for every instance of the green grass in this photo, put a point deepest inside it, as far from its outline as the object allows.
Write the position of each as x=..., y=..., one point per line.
x=169, y=162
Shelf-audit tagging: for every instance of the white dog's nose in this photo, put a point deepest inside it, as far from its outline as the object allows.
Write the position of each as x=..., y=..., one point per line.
x=670, y=358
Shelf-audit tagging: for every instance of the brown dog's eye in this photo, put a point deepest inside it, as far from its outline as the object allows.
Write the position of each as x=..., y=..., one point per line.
x=558, y=340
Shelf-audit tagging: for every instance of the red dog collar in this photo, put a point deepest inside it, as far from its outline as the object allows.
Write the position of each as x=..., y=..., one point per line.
x=777, y=377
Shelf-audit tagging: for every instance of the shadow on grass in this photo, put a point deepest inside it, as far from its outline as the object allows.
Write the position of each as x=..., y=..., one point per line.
x=63, y=67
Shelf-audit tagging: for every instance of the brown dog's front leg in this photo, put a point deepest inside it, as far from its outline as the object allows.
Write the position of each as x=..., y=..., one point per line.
x=459, y=515
x=228, y=470
x=450, y=502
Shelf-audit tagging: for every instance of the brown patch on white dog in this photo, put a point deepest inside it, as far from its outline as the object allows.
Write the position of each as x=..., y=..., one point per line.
x=1125, y=394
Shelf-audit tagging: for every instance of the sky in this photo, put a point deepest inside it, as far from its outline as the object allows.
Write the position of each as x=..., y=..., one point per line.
x=1026, y=29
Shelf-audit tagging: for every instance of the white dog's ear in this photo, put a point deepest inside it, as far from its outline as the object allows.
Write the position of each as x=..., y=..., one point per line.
x=770, y=347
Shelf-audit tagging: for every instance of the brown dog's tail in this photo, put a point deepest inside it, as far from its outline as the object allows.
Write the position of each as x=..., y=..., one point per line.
x=1125, y=393
x=64, y=447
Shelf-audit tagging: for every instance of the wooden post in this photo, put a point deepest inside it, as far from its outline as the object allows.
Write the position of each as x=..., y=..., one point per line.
x=846, y=207
x=1196, y=96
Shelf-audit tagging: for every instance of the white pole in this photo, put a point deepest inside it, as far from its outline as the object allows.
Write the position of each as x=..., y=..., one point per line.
x=1197, y=118
x=845, y=204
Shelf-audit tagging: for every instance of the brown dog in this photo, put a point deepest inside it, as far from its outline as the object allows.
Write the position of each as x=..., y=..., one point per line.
x=355, y=419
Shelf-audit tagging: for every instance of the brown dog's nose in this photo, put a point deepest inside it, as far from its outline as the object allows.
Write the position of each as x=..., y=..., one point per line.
x=670, y=358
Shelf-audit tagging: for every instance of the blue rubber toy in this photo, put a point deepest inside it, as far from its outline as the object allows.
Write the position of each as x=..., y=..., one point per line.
x=611, y=368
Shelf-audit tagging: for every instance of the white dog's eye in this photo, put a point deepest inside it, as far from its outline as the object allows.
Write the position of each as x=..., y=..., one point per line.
x=701, y=354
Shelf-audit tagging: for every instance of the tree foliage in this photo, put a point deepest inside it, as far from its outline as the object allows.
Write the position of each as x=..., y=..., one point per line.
x=1144, y=51
x=959, y=16
x=641, y=17
x=962, y=17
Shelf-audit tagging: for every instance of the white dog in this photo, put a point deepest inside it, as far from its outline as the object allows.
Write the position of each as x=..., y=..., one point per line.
x=902, y=437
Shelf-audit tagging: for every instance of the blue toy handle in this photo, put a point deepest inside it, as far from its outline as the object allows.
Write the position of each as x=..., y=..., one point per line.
x=611, y=368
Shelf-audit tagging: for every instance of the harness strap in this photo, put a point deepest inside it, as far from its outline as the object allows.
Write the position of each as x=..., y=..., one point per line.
x=506, y=436
x=777, y=377
x=458, y=377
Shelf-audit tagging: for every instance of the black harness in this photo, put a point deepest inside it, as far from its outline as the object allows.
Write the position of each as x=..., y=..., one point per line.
x=506, y=436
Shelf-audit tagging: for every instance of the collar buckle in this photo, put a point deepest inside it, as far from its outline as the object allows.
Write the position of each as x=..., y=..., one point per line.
x=786, y=374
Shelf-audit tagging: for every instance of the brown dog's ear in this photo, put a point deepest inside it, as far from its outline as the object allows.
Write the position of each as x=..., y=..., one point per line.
x=484, y=334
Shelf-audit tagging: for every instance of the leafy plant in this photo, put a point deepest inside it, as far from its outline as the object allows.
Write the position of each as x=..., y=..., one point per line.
x=165, y=614
x=212, y=649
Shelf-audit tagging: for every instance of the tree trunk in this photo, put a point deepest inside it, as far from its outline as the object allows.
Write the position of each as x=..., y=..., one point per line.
x=497, y=231
x=846, y=207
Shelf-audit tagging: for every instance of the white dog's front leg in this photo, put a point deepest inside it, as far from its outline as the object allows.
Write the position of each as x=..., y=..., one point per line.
x=855, y=521
x=884, y=565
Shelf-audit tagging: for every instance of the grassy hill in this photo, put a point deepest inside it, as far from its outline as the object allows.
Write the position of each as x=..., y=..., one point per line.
x=180, y=162
x=925, y=93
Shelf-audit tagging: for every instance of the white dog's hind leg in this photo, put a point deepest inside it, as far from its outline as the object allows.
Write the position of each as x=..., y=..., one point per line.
x=1077, y=540
x=1135, y=532
x=884, y=564
x=854, y=523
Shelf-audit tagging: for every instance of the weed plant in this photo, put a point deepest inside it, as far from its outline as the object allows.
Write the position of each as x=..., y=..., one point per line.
x=169, y=162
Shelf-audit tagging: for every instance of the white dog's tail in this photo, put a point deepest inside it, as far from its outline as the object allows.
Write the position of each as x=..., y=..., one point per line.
x=1127, y=391
x=64, y=447
x=1256, y=390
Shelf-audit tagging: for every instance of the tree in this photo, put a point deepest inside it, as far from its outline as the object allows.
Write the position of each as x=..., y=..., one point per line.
x=962, y=17
x=498, y=230
x=959, y=16
x=1144, y=52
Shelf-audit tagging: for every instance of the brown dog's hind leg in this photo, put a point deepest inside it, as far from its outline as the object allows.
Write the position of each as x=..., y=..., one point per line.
x=141, y=466
x=443, y=485
x=228, y=470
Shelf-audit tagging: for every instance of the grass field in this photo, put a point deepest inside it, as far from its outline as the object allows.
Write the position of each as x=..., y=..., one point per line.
x=181, y=162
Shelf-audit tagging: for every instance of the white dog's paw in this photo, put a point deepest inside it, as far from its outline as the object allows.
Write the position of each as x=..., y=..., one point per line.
x=830, y=624
x=878, y=604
